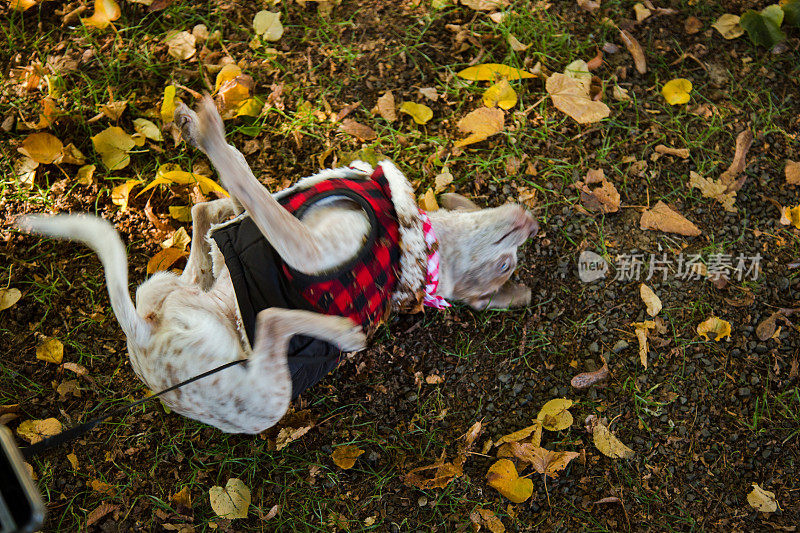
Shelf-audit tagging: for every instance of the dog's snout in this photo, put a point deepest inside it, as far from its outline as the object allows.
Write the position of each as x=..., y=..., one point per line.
x=526, y=223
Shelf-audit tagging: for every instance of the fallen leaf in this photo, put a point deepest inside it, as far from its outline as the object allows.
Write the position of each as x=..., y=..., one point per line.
x=492, y=72
x=535, y=430
x=357, y=130
x=102, y=487
x=620, y=94
x=515, y=45
x=762, y=500
x=22, y=5
x=288, y=435
x=715, y=189
x=764, y=27
x=443, y=474
x=165, y=259
x=35, y=431
x=70, y=155
x=728, y=26
x=171, y=173
x=70, y=387
x=50, y=350
x=430, y=93
x=428, y=201
x=585, y=380
x=251, y=107
x=641, y=335
x=571, y=96
x=481, y=124
x=181, y=213
x=501, y=94
x=597, y=193
x=231, y=501
x=147, y=128
x=434, y=379
x=677, y=91
x=443, y=179
x=121, y=193
x=183, y=497
x=635, y=49
x=345, y=456
x=485, y=5
x=792, y=172
x=503, y=477
x=549, y=462
x=767, y=327
x=589, y=5
x=641, y=12
x=80, y=370
x=683, y=153
x=113, y=145
x=554, y=414
x=609, y=499
x=179, y=239
x=385, y=107
x=268, y=25
x=8, y=297
x=715, y=326
x=169, y=104
x=181, y=44
x=692, y=25
x=105, y=11
x=233, y=89
x=42, y=147
x=650, y=299
x=419, y=112
x=608, y=444
x=73, y=460
x=25, y=169
x=662, y=218
x=99, y=512
x=743, y=143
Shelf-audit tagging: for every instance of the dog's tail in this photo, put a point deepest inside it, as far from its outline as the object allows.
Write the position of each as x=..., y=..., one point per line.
x=100, y=236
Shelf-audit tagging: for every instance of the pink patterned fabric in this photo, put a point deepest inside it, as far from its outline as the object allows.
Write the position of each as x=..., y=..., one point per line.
x=432, y=277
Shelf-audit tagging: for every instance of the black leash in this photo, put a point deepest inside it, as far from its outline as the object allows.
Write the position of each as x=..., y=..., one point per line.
x=74, y=432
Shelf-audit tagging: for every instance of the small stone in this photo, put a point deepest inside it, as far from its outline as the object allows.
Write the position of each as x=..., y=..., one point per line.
x=744, y=392
x=619, y=346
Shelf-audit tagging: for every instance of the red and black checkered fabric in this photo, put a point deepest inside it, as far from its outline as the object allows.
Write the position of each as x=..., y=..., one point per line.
x=360, y=290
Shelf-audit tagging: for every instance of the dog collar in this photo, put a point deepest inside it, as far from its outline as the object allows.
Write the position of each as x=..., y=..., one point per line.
x=431, y=299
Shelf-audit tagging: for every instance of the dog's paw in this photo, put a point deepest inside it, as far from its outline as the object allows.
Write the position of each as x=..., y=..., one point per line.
x=189, y=124
x=352, y=339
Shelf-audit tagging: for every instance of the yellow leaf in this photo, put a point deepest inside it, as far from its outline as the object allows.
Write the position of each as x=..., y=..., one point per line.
x=267, y=25
x=250, y=108
x=493, y=71
x=113, y=145
x=102, y=487
x=181, y=44
x=25, y=169
x=183, y=497
x=503, y=476
x=164, y=259
x=345, y=456
x=148, y=129
x=120, y=193
x=677, y=91
x=226, y=74
x=34, y=431
x=524, y=433
x=650, y=299
x=171, y=173
x=608, y=444
x=428, y=201
x=501, y=94
x=791, y=216
x=718, y=327
x=763, y=500
x=104, y=12
x=641, y=335
x=231, y=501
x=169, y=104
x=86, y=174
x=70, y=155
x=234, y=92
x=179, y=239
x=182, y=213
x=73, y=460
x=481, y=124
x=9, y=297
x=42, y=147
x=50, y=350
x=728, y=26
x=554, y=415
x=571, y=96
x=22, y=5
x=419, y=112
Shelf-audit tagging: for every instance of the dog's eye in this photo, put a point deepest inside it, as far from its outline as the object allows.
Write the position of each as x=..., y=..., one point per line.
x=505, y=266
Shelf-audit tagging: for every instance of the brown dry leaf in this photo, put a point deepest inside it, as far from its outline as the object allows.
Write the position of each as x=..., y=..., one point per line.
x=767, y=327
x=181, y=44
x=71, y=387
x=35, y=431
x=70, y=155
x=102, y=487
x=662, y=218
x=597, y=193
x=22, y=5
x=121, y=193
x=549, y=462
x=75, y=367
x=73, y=460
x=231, y=501
x=535, y=431
x=345, y=456
x=105, y=11
x=743, y=143
x=715, y=189
x=287, y=435
x=641, y=335
x=650, y=299
x=25, y=169
x=635, y=50
x=165, y=259
x=444, y=474
x=99, y=512
x=554, y=414
x=762, y=500
x=50, y=350
x=443, y=179
x=715, y=326
x=589, y=5
x=179, y=239
x=503, y=476
x=385, y=107
x=481, y=124
x=792, y=172
x=515, y=45
x=585, y=380
x=42, y=147
x=430, y=93
x=683, y=153
x=490, y=520
x=183, y=497
x=8, y=297
x=608, y=444
x=85, y=175
x=571, y=96
x=486, y=5
x=692, y=25
x=357, y=130
x=641, y=12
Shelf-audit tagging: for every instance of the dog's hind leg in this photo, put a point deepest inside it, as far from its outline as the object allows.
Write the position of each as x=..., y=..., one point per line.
x=198, y=269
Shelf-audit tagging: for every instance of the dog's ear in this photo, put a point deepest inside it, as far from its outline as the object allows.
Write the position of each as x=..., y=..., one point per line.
x=456, y=202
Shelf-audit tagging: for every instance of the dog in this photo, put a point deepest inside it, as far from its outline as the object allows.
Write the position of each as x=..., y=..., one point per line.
x=364, y=254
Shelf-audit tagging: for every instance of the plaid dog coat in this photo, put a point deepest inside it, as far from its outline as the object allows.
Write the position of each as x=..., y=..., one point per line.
x=360, y=290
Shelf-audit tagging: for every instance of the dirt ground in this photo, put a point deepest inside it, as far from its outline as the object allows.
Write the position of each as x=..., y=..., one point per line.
x=706, y=419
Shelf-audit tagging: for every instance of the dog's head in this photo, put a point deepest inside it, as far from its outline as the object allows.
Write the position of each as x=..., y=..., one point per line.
x=479, y=251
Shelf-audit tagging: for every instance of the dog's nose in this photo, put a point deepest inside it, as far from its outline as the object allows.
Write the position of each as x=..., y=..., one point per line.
x=528, y=223
x=534, y=227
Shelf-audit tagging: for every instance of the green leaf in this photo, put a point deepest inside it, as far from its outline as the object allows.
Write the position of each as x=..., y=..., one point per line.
x=791, y=12
x=763, y=28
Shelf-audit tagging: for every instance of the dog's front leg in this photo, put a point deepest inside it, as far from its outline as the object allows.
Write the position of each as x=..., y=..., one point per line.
x=292, y=240
x=198, y=269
